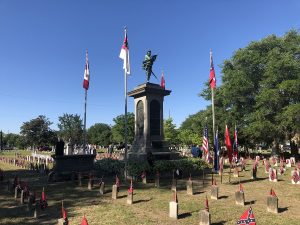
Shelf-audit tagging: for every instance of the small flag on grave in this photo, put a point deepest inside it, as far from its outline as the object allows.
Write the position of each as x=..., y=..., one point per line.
x=117, y=181
x=206, y=204
x=64, y=213
x=247, y=218
x=84, y=221
x=130, y=190
x=43, y=200
x=272, y=192
x=175, y=198
x=241, y=188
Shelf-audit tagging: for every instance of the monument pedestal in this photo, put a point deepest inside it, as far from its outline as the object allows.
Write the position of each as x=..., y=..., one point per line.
x=149, y=137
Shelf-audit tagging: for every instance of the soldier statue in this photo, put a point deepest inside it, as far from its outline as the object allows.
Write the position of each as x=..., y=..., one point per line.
x=147, y=64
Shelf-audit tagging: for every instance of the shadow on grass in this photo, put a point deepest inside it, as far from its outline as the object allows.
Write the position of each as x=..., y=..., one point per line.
x=252, y=202
x=184, y=215
x=223, y=197
x=249, y=180
x=281, y=210
x=219, y=223
x=142, y=200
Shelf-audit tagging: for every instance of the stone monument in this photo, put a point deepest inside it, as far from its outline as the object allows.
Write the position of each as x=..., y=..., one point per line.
x=149, y=132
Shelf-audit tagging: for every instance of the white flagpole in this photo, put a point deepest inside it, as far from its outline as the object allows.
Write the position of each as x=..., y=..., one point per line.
x=125, y=119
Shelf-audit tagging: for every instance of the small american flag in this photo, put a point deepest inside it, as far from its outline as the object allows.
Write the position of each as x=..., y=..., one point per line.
x=205, y=140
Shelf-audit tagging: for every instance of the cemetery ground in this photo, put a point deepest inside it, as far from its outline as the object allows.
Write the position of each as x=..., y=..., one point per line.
x=151, y=204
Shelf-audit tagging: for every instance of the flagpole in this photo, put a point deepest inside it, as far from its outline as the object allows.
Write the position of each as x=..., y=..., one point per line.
x=125, y=119
x=84, y=120
x=125, y=135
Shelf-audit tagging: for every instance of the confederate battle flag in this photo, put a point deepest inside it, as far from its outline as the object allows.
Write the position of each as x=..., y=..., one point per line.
x=247, y=218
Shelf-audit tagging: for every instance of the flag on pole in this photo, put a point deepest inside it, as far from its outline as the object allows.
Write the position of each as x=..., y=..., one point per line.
x=162, y=81
x=228, y=144
x=205, y=141
x=212, y=75
x=217, y=152
x=247, y=218
x=43, y=200
x=86, y=78
x=235, y=143
x=124, y=54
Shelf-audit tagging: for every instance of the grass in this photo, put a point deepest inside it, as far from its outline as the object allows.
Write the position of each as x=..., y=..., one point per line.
x=151, y=205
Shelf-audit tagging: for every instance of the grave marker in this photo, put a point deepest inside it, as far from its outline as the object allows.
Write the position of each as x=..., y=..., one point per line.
x=205, y=215
x=173, y=207
x=272, y=175
x=272, y=202
x=189, y=186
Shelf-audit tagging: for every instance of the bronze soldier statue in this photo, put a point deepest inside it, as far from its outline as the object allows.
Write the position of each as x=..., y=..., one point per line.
x=148, y=63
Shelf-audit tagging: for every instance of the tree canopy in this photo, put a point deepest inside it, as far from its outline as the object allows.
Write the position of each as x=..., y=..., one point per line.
x=118, y=129
x=99, y=134
x=70, y=128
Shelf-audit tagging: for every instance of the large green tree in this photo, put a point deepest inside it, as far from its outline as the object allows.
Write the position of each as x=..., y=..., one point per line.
x=70, y=128
x=260, y=90
x=118, y=129
x=170, y=132
x=37, y=132
x=99, y=134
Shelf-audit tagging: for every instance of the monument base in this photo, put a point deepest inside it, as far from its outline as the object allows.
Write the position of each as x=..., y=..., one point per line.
x=156, y=155
x=65, y=165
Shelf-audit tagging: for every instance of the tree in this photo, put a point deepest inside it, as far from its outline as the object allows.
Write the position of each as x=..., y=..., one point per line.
x=37, y=132
x=170, y=132
x=70, y=128
x=99, y=134
x=118, y=129
x=260, y=90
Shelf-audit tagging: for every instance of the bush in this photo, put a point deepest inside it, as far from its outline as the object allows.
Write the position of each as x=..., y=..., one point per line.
x=137, y=166
x=187, y=165
x=109, y=166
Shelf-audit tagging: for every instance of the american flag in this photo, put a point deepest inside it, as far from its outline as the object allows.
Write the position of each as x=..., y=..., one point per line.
x=205, y=140
x=235, y=143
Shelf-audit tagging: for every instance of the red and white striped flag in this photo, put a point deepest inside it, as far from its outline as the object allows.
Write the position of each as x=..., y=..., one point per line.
x=162, y=81
x=86, y=78
x=212, y=75
x=124, y=54
x=205, y=141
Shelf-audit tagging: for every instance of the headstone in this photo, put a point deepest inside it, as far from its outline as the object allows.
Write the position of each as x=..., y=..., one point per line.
x=157, y=184
x=102, y=188
x=288, y=163
x=130, y=198
x=174, y=185
x=22, y=197
x=272, y=204
x=173, y=210
x=236, y=172
x=204, y=218
x=114, y=192
x=214, y=192
x=292, y=160
x=90, y=183
x=61, y=221
x=36, y=211
x=79, y=179
x=239, y=198
x=16, y=192
x=272, y=175
x=295, y=177
x=254, y=173
x=144, y=178
x=189, y=187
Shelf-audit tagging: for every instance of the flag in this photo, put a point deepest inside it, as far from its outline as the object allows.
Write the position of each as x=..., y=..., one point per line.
x=235, y=143
x=247, y=218
x=43, y=200
x=228, y=144
x=217, y=152
x=124, y=54
x=117, y=181
x=212, y=76
x=130, y=190
x=86, y=78
x=84, y=221
x=206, y=204
x=64, y=213
x=272, y=192
x=241, y=188
x=205, y=141
x=162, y=81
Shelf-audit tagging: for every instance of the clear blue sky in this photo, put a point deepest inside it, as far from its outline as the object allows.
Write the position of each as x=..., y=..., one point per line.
x=43, y=43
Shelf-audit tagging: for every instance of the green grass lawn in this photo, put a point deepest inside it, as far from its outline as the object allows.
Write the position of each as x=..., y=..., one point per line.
x=151, y=205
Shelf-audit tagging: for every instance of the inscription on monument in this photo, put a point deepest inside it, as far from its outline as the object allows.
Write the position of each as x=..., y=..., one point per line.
x=140, y=118
x=154, y=118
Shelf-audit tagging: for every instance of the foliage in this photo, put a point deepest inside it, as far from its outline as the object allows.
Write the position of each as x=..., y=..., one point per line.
x=186, y=165
x=260, y=90
x=170, y=132
x=99, y=134
x=109, y=166
x=70, y=127
x=37, y=132
x=118, y=129
x=137, y=166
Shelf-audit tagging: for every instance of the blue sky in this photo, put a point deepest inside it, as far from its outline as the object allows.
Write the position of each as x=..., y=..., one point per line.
x=43, y=43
